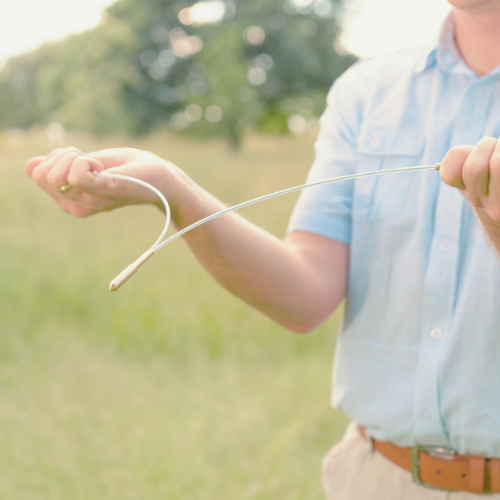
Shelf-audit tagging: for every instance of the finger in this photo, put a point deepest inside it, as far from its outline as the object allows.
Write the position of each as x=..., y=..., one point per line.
x=58, y=175
x=81, y=175
x=476, y=170
x=40, y=172
x=53, y=153
x=33, y=163
x=492, y=204
x=451, y=169
x=58, y=152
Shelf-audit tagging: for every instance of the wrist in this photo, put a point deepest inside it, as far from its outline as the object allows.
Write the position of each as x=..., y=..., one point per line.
x=176, y=186
x=490, y=226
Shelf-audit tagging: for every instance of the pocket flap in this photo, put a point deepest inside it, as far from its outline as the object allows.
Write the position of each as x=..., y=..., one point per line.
x=378, y=141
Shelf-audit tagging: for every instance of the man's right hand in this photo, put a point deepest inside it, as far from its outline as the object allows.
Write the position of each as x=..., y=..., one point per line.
x=90, y=194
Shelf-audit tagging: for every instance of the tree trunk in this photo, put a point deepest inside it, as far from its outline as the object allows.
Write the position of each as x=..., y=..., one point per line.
x=234, y=139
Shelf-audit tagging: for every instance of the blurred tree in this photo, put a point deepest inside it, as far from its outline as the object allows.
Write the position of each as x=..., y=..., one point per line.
x=217, y=67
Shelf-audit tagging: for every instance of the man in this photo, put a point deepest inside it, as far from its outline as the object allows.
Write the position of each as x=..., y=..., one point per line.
x=417, y=258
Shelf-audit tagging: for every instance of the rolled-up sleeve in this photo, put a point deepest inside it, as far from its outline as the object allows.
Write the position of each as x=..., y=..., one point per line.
x=326, y=209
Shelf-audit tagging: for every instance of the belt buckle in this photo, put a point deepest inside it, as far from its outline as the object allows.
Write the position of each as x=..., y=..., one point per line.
x=436, y=451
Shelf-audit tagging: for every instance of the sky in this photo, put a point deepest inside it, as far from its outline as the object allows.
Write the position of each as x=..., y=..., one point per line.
x=376, y=27
x=372, y=27
x=26, y=24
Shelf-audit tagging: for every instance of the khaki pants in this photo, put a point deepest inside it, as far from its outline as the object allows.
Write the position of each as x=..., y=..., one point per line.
x=352, y=471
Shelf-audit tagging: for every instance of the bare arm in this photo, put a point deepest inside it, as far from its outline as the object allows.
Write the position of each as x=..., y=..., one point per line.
x=297, y=282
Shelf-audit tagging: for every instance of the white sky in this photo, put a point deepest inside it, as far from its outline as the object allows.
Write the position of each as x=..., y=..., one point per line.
x=375, y=27
x=25, y=24
x=372, y=26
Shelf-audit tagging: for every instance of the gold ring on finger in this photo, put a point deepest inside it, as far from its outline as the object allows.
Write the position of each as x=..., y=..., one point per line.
x=64, y=189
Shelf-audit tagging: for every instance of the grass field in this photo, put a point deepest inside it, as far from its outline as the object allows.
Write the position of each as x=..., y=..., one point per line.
x=170, y=388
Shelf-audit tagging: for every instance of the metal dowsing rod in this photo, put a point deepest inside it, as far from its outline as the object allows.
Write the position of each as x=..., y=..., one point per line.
x=129, y=271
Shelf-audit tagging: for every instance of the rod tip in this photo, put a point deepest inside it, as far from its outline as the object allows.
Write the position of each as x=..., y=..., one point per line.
x=122, y=277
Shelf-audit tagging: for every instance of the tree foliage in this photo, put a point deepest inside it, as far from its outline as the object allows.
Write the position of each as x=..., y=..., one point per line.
x=261, y=62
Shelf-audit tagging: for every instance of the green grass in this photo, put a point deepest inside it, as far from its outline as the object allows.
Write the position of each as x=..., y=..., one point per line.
x=170, y=388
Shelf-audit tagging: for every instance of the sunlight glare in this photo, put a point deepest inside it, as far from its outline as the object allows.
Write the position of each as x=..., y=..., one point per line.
x=203, y=13
x=377, y=27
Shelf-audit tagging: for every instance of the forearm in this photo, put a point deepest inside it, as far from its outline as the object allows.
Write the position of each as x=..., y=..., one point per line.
x=277, y=277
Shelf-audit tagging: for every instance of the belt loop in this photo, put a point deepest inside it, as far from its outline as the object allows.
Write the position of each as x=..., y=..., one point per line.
x=493, y=471
x=372, y=447
x=476, y=474
x=366, y=435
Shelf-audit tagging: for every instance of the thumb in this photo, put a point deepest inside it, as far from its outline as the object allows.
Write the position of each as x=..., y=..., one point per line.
x=81, y=173
x=113, y=157
x=452, y=166
x=122, y=188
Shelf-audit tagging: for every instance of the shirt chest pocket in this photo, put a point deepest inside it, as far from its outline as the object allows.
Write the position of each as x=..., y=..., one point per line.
x=385, y=196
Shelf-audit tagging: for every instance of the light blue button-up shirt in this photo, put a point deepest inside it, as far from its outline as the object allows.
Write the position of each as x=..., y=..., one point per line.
x=418, y=357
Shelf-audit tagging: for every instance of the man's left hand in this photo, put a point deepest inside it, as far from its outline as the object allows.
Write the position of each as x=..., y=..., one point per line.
x=475, y=171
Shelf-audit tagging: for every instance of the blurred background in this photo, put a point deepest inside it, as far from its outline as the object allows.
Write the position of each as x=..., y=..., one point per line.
x=170, y=388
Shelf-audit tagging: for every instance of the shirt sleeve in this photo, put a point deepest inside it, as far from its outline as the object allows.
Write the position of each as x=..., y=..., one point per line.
x=326, y=209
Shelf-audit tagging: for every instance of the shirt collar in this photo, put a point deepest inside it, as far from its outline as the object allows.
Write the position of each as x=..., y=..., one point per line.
x=428, y=56
x=442, y=50
x=447, y=54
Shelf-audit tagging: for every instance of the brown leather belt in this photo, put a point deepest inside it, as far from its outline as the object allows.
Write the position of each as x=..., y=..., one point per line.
x=442, y=468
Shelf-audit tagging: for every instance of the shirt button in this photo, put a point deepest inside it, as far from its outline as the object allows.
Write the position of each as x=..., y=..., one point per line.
x=375, y=143
x=427, y=415
x=444, y=247
x=478, y=92
x=436, y=333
